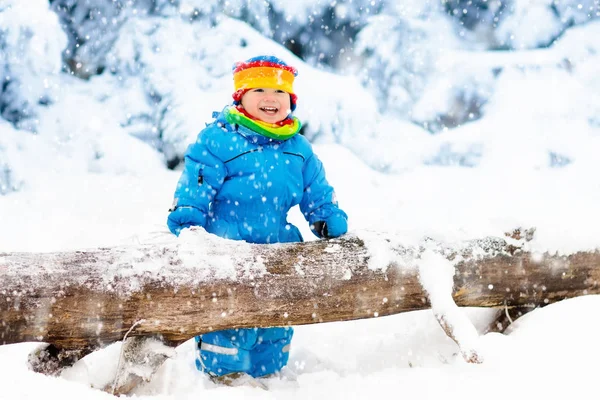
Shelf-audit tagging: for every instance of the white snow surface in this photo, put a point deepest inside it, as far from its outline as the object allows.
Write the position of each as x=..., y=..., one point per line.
x=531, y=161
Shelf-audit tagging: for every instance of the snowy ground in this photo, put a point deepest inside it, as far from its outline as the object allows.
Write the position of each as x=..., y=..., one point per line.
x=550, y=353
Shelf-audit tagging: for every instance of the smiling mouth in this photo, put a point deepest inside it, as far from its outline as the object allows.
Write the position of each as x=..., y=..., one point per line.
x=269, y=110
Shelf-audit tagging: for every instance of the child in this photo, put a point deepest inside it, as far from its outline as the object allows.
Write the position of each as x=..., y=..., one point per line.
x=241, y=177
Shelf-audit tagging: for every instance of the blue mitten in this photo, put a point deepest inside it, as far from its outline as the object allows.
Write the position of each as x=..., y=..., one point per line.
x=184, y=217
x=334, y=226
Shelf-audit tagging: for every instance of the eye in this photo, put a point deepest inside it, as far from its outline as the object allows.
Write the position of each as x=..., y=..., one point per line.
x=279, y=91
x=258, y=90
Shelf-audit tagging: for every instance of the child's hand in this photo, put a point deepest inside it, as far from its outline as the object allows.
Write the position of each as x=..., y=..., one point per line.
x=184, y=217
x=336, y=225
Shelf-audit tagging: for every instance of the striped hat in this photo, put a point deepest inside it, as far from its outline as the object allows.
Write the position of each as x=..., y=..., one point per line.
x=263, y=72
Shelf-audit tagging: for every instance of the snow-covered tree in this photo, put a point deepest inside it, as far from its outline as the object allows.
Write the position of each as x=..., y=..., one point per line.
x=31, y=41
x=92, y=26
x=519, y=24
x=322, y=32
x=478, y=19
x=256, y=13
x=400, y=49
x=180, y=84
x=538, y=23
x=471, y=13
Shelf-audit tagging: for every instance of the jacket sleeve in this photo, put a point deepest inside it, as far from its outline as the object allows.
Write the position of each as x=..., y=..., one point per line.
x=319, y=202
x=202, y=176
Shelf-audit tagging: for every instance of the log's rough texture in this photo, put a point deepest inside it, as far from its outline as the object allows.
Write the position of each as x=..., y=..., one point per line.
x=87, y=299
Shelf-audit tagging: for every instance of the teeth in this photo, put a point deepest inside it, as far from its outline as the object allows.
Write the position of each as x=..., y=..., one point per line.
x=269, y=108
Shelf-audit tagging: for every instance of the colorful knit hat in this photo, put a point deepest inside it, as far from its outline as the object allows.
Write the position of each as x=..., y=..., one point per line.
x=263, y=72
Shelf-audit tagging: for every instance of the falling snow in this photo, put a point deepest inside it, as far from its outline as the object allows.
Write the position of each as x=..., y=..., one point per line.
x=436, y=121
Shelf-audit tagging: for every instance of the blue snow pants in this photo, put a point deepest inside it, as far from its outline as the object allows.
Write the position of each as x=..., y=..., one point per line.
x=255, y=351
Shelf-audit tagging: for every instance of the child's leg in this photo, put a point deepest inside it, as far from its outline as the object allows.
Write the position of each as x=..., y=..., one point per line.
x=271, y=352
x=223, y=352
x=256, y=351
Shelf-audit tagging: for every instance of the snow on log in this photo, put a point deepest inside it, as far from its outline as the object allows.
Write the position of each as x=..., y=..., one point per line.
x=198, y=283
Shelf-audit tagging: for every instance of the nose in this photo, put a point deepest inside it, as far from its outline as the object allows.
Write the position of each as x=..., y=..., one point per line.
x=269, y=96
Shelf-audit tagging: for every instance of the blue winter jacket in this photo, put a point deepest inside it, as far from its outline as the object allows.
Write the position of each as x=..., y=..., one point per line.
x=240, y=185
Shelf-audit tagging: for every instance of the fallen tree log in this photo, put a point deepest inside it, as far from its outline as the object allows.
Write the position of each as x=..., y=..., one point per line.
x=87, y=299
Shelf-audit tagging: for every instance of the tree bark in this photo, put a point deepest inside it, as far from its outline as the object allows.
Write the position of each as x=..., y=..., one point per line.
x=86, y=299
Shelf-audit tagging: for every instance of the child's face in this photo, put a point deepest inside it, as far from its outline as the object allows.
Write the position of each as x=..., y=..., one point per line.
x=268, y=105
